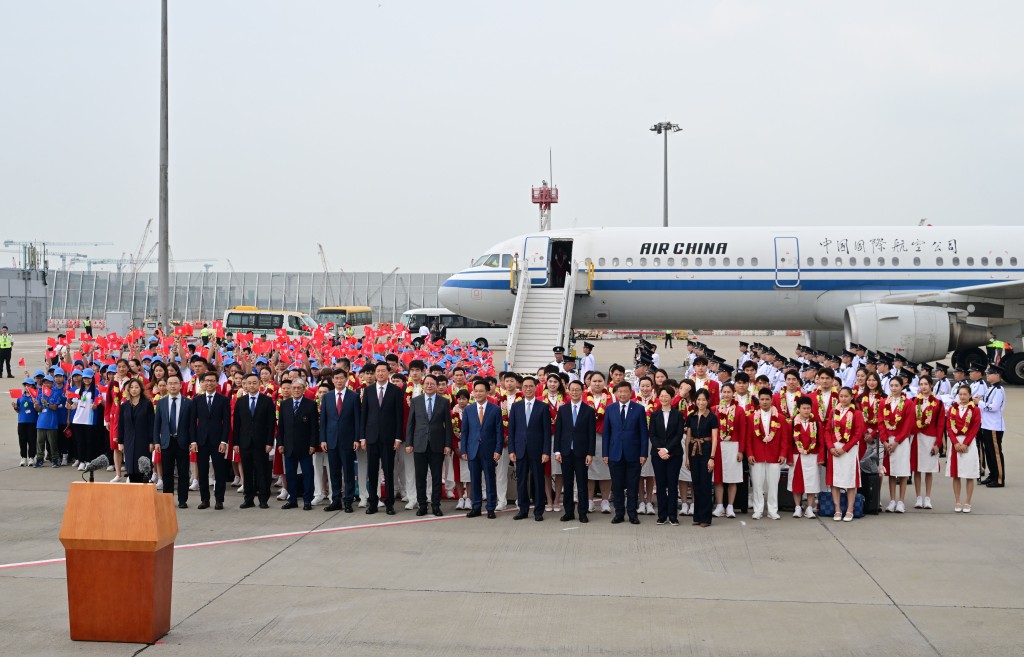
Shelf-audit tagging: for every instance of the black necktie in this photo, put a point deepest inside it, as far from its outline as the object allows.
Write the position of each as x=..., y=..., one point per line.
x=173, y=419
x=209, y=402
x=623, y=413
x=295, y=408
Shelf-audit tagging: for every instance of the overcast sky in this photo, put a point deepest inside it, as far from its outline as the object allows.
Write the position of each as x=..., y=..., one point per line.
x=409, y=133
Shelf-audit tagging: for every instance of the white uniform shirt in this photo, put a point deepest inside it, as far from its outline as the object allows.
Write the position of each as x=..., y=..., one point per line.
x=992, y=408
x=587, y=363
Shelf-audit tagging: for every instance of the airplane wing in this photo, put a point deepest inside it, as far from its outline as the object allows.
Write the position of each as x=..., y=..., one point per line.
x=1001, y=293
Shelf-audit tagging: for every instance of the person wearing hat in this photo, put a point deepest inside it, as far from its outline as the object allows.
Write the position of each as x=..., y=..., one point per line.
x=27, y=418
x=744, y=354
x=559, y=353
x=943, y=390
x=725, y=371
x=85, y=404
x=49, y=399
x=847, y=370
x=569, y=367
x=587, y=363
x=993, y=426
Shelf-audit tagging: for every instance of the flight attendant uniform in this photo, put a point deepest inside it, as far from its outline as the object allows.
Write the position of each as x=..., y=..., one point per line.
x=930, y=418
x=804, y=478
x=650, y=406
x=554, y=403
x=846, y=431
x=897, y=425
x=598, y=470
x=870, y=405
x=962, y=426
x=732, y=442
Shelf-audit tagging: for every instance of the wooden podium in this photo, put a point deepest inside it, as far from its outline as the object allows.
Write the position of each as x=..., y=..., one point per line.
x=119, y=543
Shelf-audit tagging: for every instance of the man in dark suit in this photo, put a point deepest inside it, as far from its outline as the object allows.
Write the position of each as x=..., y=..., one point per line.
x=383, y=416
x=575, y=442
x=529, y=447
x=339, y=437
x=212, y=414
x=254, y=440
x=625, y=450
x=428, y=437
x=298, y=433
x=481, y=443
x=172, y=435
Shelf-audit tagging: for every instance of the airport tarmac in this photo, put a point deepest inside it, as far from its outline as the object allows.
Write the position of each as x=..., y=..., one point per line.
x=922, y=583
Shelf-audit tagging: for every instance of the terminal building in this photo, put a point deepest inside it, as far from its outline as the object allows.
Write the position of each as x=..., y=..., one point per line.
x=71, y=296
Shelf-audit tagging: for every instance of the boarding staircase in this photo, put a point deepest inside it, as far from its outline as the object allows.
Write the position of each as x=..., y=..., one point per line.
x=542, y=318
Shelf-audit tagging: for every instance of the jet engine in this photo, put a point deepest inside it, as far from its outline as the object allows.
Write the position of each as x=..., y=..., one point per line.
x=919, y=333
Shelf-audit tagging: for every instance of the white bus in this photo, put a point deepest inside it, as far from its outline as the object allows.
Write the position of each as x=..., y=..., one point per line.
x=246, y=319
x=457, y=327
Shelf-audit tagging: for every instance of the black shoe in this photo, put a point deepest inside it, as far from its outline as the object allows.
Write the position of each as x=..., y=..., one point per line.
x=370, y=510
x=567, y=517
x=288, y=505
x=246, y=505
x=633, y=520
x=205, y=504
x=182, y=505
x=306, y=506
x=522, y=515
x=661, y=521
x=218, y=506
x=491, y=515
x=985, y=482
x=583, y=518
x=422, y=511
x=475, y=513
x=617, y=519
x=539, y=518
x=993, y=484
x=390, y=510
x=437, y=511
x=333, y=506
x=349, y=509
x=674, y=522
x=264, y=505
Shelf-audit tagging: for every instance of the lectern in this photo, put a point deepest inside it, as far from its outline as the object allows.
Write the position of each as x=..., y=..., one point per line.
x=119, y=543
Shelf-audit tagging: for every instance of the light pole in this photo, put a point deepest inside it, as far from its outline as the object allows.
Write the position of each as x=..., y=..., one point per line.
x=163, y=258
x=664, y=128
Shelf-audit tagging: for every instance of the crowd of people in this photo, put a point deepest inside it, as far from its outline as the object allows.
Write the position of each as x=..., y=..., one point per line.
x=347, y=421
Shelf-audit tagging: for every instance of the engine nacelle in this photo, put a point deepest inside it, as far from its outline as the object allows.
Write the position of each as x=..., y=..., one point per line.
x=919, y=333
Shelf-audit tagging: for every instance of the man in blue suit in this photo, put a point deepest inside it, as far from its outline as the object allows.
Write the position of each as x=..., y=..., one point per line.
x=625, y=450
x=481, y=443
x=339, y=437
x=529, y=447
x=172, y=436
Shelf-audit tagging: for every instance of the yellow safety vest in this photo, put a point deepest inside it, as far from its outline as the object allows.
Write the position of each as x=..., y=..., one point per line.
x=6, y=341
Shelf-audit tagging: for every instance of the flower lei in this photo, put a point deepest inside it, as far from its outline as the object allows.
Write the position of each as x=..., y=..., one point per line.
x=964, y=419
x=842, y=434
x=788, y=406
x=870, y=409
x=812, y=429
x=726, y=421
x=823, y=408
x=924, y=416
x=773, y=427
x=599, y=407
x=892, y=418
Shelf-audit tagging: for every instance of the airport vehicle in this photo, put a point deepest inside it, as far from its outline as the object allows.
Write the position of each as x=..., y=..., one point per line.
x=457, y=327
x=355, y=316
x=921, y=291
x=250, y=319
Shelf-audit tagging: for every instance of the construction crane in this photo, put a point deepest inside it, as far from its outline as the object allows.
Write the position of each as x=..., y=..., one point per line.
x=231, y=267
x=328, y=288
x=207, y=262
x=119, y=263
x=30, y=251
x=65, y=258
x=142, y=245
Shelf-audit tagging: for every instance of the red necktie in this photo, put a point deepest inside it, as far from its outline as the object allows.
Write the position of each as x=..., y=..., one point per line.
x=339, y=403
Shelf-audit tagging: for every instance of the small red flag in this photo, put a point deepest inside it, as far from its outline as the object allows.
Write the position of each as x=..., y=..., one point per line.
x=21, y=363
x=281, y=333
x=71, y=334
x=15, y=394
x=218, y=324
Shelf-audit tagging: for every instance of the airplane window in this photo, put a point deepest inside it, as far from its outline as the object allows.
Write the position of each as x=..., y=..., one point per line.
x=956, y=262
x=895, y=262
x=698, y=261
x=506, y=260
x=615, y=262
x=984, y=262
x=1013, y=262
x=810, y=262
x=684, y=262
x=600, y=262
x=881, y=262
x=711, y=261
x=867, y=262
x=938, y=262
x=725, y=262
x=643, y=262
x=671, y=262
x=839, y=262
x=970, y=262
x=739, y=262
x=917, y=262
x=629, y=262
x=999, y=262
x=753, y=262
x=482, y=260
x=657, y=262
x=853, y=261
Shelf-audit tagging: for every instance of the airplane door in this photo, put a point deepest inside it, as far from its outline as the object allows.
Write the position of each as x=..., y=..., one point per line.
x=787, y=262
x=536, y=252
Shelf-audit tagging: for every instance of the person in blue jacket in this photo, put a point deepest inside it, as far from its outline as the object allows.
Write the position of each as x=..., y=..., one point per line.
x=48, y=402
x=27, y=417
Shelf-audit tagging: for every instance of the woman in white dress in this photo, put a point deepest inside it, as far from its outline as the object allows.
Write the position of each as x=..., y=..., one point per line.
x=684, y=401
x=598, y=399
x=555, y=396
x=843, y=435
x=931, y=421
x=896, y=433
x=647, y=494
x=962, y=423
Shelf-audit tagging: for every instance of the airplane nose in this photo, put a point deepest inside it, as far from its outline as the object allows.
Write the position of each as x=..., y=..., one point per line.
x=448, y=295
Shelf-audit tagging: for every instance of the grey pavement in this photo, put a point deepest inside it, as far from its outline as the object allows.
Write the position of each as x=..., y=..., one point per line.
x=924, y=583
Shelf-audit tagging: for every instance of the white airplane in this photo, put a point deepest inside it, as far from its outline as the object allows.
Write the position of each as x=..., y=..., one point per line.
x=920, y=291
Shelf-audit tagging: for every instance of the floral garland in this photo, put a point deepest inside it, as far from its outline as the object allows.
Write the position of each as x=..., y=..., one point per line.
x=823, y=408
x=599, y=408
x=788, y=406
x=726, y=421
x=963, y=420
x=773, y=428
x=870, y=408
x=892, y=418
x=924, y=416
x=812, y=430
x=846, y=432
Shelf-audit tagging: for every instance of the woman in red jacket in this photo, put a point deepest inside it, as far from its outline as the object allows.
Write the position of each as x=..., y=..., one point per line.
x=843, y=436
x=931, y=421
x=870, y=403
x=896, y=425
x=963, y=421
x=804, y=454
x=732, y=437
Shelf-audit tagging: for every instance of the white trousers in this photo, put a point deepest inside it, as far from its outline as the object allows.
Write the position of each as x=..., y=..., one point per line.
x=321, y=474
x=764, y=481
x=501, y=478
x=364, y=485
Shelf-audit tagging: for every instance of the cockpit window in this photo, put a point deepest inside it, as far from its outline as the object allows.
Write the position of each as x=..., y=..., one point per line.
x=488, y=260
x=506, y=260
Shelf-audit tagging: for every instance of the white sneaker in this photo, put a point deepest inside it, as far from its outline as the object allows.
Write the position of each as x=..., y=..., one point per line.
x=237, y=481
x=410, y=506
x=317, y=500
x=110, y=468
x=81, y=467
x=808, y=512
x=194, y=485
x=650, y=509
x=927, y=502
x=957, y=508
x=279, y=483
x=605, y=507
x=116, y=480
x=773, y=516
x=75, y=463
x=798, y=512
x=590, y=506
x=501, y=506
x=719, y=511
x=756, y=515
x=160, y=484
x=241, y=490
x=729, y=512
x=362, y=503
x=900, y=508
x=641, y=509
x=684, y=510
x=405, y=498
x=461, y=504
x=65, y=459
x=283, y=496
x=153, y=479
x=23, y=462
x=891, y=507
x=919, y=502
